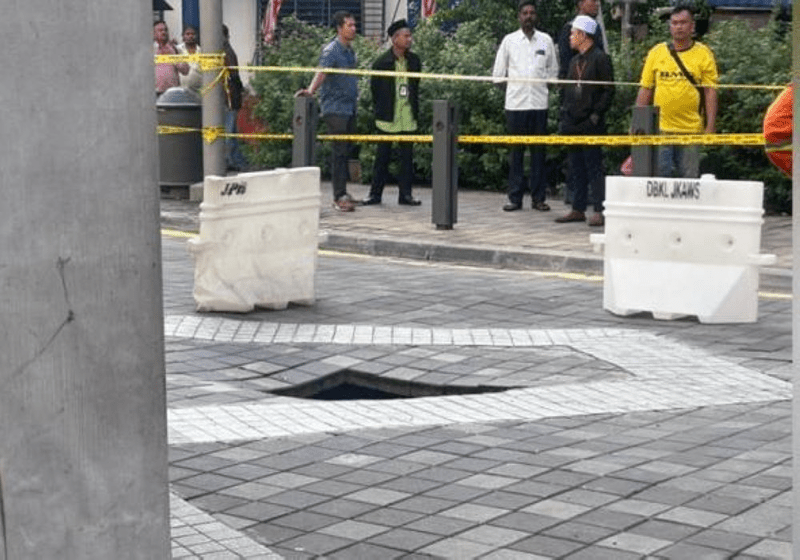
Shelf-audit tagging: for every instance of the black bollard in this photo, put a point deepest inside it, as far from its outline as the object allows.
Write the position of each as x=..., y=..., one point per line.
x=444, y=204
x=644, y=158
x=304, y=126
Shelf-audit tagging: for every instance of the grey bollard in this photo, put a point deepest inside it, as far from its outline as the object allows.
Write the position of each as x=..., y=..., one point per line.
x=444, y=204
x=644, y=158
x=304, y=127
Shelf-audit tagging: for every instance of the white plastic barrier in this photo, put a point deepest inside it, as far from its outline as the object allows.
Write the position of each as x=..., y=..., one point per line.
x=678, y=247
x=258, y=240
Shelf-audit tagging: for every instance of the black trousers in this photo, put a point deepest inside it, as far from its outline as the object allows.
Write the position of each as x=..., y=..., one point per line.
x=340, y=124
x=526, y=123
x=380, y=172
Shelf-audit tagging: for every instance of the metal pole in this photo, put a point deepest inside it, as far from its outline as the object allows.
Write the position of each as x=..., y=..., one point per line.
x=213, y=100
x=644, y=121
x=444, y=203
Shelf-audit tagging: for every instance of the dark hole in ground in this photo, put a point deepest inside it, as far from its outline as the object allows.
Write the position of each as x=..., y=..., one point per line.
x=351, y=385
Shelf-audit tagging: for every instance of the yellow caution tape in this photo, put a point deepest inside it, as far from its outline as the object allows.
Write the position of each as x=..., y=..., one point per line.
x=207, y=61
x=215, y=61
x=757, y=139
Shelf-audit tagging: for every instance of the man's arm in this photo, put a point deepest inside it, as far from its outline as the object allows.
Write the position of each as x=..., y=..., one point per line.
x=711, y=109
x=644, y=97
x=319, y=77
x=500, y=68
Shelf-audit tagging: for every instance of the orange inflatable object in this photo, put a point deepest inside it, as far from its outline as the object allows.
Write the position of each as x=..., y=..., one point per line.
x=778, y=131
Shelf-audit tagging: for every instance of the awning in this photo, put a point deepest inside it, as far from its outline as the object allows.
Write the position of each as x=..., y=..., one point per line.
x=160, y=6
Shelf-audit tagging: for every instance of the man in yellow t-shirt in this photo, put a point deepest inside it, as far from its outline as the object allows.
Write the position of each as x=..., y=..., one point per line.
x=665, y=84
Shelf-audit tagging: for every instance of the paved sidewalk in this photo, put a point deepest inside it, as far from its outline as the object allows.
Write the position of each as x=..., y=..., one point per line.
x=483, y=234
x=611, y=437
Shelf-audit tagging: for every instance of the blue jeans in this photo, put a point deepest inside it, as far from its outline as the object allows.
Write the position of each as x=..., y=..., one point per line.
x=678, y=161
x=526, y=123
x=233, y=154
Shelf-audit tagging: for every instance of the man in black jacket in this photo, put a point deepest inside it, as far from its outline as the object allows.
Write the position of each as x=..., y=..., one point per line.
x=396, y=101
x=584, y=110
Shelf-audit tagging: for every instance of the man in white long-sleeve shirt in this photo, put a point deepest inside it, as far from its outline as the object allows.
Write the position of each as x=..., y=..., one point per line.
x=530, y=55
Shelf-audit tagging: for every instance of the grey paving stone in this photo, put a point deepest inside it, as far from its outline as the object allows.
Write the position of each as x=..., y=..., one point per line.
x=332, y=487
x=411, y=485
x=390, y=517
x=270, y=534
x=440, y=525
x=722, y=540
x=424, y=504
x=547, y=546
x=258, y=511
x=493, y=535
x=343, y=508
x=529, y=522
x=306, y=521
x=354, y=530
x=505, y=500
x=720, y=504
x=296, y=498
x=456, y=548
x=456, y=492
x=687, y=551
x=378, y=496
x=665, y=530
x=602, y=553
x=608, y=518
x=579, y=532
x=442, y=474
x=316, y=543
x=404, y=539
x=366, y=551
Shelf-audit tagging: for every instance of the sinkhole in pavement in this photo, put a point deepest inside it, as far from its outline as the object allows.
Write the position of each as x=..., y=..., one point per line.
x=350, y=384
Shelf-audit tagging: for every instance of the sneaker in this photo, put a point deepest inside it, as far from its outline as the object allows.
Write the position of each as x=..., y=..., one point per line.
x=344, y=203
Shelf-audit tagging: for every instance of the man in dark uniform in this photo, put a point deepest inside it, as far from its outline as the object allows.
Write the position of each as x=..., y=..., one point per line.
x=584, y=110
x=396, y=101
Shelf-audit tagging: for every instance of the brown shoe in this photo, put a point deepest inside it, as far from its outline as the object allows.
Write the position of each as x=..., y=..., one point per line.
x=573, y=216
x=597, y=220
x=344, y=204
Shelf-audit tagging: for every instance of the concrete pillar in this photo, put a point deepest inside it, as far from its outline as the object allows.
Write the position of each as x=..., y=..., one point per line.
x=796, y=282
x=83, y=448
x=213, y=101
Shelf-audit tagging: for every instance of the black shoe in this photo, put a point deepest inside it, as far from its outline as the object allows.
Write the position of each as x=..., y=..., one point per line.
x=511, y=207
x=370, y=201
x=409, y=201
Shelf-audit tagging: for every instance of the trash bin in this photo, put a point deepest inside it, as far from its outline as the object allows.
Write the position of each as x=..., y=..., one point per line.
x=180, y=154
x=677, y=247
x=257, y=245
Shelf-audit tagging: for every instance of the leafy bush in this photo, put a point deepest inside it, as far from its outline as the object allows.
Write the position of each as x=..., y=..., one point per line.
x=469, y=48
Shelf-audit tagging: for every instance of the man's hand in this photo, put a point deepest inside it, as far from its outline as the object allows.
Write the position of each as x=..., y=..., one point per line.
x=302, y=93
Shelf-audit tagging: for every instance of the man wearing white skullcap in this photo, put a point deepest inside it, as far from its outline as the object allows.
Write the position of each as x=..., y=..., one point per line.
x=583, y=113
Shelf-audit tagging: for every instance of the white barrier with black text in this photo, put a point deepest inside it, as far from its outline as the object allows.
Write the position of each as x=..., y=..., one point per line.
x=257, y=245
x=677, y=247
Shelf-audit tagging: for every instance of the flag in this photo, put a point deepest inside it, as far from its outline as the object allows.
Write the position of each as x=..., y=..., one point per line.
x=428, y=8
x=270, y=20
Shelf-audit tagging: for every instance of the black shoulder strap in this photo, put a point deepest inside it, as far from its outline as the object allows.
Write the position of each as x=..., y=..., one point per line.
x=688, y=76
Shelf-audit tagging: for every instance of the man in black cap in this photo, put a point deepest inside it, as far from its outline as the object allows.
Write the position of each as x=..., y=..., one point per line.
x=396, y=101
